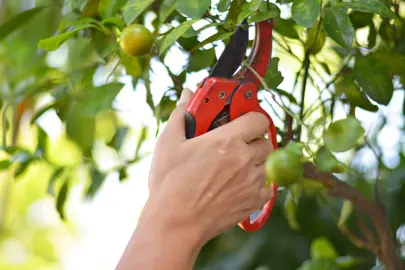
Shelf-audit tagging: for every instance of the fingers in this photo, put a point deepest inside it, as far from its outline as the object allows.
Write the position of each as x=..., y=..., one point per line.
x=176, y=124
x=265, y=193
x=260, y=150
x=248, y=127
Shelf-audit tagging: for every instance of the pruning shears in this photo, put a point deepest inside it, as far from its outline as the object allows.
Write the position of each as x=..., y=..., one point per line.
x=225, y=95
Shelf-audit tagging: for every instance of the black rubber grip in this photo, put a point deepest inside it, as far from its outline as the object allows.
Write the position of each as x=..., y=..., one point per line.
x=190, y=125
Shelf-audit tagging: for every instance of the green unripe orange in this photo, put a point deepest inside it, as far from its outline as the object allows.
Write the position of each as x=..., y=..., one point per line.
x=136, y=40
x=284, y=168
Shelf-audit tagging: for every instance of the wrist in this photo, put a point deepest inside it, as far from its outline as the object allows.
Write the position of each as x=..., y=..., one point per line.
x=162, y=239
x=168, y=221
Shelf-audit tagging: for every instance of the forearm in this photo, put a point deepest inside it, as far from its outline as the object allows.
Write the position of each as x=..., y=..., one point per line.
x=160, y=243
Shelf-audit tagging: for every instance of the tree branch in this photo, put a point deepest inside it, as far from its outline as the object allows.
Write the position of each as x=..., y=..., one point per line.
x=306, y=65
x=336, y=188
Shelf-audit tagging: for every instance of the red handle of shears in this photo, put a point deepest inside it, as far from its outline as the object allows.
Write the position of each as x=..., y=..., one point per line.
x=242, y=105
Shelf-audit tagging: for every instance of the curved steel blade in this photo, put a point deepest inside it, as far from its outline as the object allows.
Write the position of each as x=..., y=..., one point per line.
x=233, y=54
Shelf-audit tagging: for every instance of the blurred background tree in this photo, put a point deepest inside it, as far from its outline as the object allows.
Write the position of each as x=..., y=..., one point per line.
x=76, y=110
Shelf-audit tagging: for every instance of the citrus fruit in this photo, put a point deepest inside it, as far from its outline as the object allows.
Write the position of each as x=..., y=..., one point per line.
x=136, y=40
x=284, y=167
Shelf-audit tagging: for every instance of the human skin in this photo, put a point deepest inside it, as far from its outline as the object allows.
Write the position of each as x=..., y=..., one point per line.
x=198, y=188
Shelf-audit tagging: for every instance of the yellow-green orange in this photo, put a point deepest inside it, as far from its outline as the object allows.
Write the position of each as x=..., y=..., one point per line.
x=283, y=168
x=136, y=40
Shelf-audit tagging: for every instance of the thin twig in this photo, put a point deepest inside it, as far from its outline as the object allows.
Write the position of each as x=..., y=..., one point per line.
x=306, y=64
x=115, y=68
x=271, y=106
x=377, y=177
x=337, y=75
x=4, y=125
x=360, y=243
x=366, y=231
x=288, y=50
x=263, y=82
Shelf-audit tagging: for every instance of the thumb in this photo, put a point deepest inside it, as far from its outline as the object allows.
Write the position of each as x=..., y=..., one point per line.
x=176, y=123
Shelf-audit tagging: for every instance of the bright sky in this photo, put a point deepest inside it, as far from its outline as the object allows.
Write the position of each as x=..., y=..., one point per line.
x=104, y=225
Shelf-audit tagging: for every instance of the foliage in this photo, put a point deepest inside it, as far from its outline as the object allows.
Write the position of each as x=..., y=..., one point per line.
x=334, y=84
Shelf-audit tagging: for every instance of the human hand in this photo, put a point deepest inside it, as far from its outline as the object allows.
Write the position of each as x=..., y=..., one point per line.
x=198, y=189
x=213, y=181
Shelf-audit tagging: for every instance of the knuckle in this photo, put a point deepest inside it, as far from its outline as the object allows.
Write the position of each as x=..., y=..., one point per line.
x=251, y=116
x=244, y=159
x=226, y=144
x=257, y=116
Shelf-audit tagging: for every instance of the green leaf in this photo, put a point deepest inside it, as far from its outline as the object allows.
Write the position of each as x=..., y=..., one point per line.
x=306, y=12
x=322, y=248
x=267, y=11
x=372, y=6
x=287, y=28
x=99, y=99
x=393, y=60
x=319, y=264
x=345, y=212
x=81, y=129
x=290, y=210
x=373, y=78
x=255, y=5
x=343, y=134
x=223, y=5
x=18, y=21
x=326, y=162
x=108, y=8
x=97, y=179
x=132, y=66
x=53, y=43
x=143, y=135
x=122, y=174
x=4, y=164
x=190, y=32
x=312, y=187
x=188, y=43
x=118, y=22
x=54, y=177
x=193, y=9
x=372, y=36
x=273, y=77
x=325, y=67
x=119, y=137
x=134, y=8
x=315, y=40
x=168, y=6
x=353, y=93
x=201, y=59
x=244, y=12
x=165, y=108
x=61, y=199
x=338, y=27
x=360, y=19
x=174, y=34
x=211, y=39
